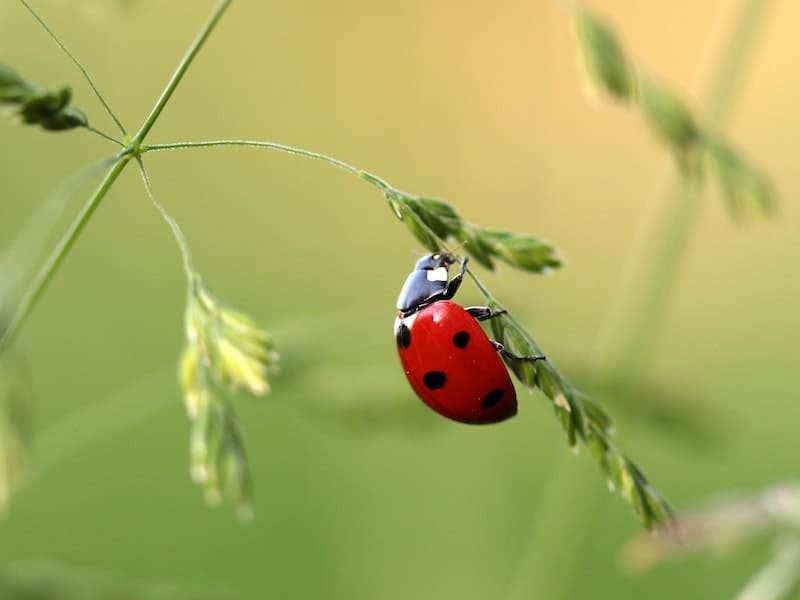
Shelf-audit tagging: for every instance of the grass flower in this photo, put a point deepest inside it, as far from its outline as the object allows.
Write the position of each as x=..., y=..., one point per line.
x=50, y=110
x=225, y=350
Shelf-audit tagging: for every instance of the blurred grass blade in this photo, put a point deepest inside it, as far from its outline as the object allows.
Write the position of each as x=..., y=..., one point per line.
x=16, y=432
x=780, y=578
x=669, y=116
x=723, y=525
x=13, y=88
x=743, y=186
x=603, y=57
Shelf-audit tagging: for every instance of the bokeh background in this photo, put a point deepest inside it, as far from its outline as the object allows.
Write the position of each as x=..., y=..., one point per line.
x=361, y=491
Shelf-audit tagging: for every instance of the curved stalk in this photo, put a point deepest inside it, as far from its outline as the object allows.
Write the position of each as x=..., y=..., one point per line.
x=286, y=149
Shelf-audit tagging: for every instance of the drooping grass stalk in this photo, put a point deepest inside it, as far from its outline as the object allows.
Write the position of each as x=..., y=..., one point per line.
x=374, y=179
x=177, y=232
x=550, y=559
x=80, y=66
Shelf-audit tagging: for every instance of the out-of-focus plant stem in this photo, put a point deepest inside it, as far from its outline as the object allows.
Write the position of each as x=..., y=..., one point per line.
x=647, y=281
x=551, y=557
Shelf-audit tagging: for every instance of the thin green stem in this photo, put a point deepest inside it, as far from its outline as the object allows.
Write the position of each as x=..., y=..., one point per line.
x=378, y=182
x=45, y=274
x=725, y=85
x=482, y=288
x=186, y=253
x=180, y=71
x=371, y=178
x=105, y=136
x=78, y=64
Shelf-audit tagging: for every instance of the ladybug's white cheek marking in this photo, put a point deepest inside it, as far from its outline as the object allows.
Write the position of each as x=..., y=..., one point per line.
x=439, y=274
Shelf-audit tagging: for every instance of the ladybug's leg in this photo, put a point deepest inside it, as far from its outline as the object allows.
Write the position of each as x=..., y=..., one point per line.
x=482, y=313
x=502, y=350
x=453, y=285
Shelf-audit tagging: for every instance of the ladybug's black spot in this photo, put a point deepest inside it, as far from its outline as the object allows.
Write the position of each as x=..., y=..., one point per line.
x=461, y=339
x=492, y=398
x=403, y=336
x=434, y=380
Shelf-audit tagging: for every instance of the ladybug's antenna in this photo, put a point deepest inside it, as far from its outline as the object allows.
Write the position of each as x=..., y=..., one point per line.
x=417, y=253
x=457, y=247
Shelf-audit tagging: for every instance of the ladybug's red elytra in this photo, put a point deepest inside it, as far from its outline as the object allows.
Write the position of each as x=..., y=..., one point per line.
x=447, y=357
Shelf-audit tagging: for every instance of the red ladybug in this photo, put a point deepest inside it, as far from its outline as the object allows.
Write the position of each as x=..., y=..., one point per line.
x=448, y=359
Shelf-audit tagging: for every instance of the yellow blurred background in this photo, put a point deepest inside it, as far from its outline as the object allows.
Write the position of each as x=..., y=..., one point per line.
x=361, y=491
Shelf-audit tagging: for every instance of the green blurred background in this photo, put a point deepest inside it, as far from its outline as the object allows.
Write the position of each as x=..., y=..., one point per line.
x=361, y=491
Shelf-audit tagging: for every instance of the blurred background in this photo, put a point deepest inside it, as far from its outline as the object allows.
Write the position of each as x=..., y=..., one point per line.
x=361, y=491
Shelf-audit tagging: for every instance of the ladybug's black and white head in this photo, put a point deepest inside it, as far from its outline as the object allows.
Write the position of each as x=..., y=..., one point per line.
x=426, y=283
x=431, y=262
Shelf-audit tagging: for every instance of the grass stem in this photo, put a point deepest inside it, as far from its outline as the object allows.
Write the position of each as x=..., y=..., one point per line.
x=77, y=63
x=180, y=71
x=373, y=179
x=45, y=274
x=652, y=265
x=646, y=298
x=41, y=280
x=177, y=232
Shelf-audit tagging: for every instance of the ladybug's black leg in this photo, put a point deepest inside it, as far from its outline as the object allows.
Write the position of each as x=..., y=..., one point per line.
x=482, y=313
x=502, y=350
x=453, y=285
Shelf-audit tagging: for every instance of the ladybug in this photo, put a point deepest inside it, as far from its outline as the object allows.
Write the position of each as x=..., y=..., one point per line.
x=447, y=357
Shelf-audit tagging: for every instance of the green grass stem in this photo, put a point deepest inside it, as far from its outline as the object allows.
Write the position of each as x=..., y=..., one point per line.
x=552, y=560
x=78, y=64
x=179, y=72
x=629, y=332
x=44, y=276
